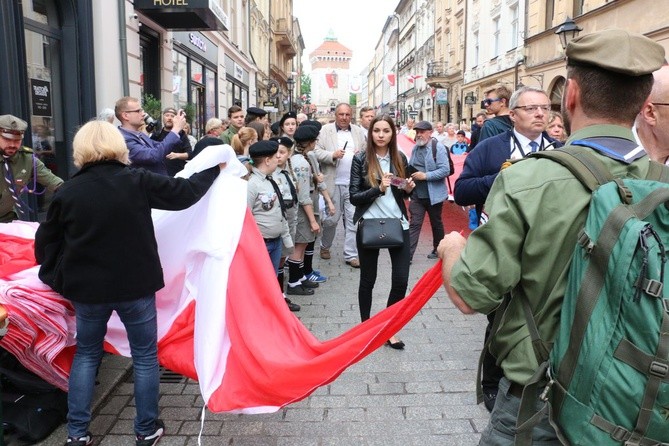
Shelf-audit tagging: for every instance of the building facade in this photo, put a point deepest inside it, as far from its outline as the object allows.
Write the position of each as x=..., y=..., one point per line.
x=330, y=75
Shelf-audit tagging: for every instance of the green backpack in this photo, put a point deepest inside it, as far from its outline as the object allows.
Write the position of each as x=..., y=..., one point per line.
x=606, y=378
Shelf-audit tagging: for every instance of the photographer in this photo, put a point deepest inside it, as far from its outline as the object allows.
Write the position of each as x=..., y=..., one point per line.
x=145, y=152
x=176, y=160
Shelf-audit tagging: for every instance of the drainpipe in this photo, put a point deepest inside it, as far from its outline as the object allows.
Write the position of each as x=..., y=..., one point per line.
x=123, y=44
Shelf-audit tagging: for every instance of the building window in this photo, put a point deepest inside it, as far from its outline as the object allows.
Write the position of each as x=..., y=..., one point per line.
x=550, y=12
x=179, y=79
x=495, y=27
x=476, y=48
x=514, y=26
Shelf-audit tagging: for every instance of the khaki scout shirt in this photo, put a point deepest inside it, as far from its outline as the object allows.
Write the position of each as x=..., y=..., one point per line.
x=22, y=166
x=536, y=209
x=266, y=208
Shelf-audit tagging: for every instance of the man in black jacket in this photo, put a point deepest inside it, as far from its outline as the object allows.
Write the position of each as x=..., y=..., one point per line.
x=176, y=160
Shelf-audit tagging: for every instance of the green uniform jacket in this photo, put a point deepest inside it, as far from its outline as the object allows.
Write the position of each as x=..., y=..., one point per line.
x=226, y=136
x=22, y=169
x=536, y=209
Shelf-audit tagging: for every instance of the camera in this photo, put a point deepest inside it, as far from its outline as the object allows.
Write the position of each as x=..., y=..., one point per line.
x=150, y=123
x=181, y=112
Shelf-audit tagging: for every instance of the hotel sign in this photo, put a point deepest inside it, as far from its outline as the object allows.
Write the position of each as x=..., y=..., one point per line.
x=192, y=15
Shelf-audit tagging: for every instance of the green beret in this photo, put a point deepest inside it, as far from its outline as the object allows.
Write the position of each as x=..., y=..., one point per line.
x=616, y=50
x=12, y=127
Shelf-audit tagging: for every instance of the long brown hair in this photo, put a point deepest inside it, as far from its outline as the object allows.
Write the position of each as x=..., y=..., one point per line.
x=374, y=171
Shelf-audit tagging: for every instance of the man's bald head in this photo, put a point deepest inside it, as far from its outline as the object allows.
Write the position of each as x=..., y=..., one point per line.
x=652, y=122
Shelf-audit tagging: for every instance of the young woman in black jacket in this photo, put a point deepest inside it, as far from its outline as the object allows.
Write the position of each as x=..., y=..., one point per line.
x=373, y=196
x=98, y=249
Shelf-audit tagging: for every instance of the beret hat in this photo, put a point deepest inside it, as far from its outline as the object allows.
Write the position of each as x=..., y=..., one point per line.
x=283, y=140
x=313, y=123
x=256, y=111
x=263, y=148
x=616, y=50
x=306, y=133
x=287, y=116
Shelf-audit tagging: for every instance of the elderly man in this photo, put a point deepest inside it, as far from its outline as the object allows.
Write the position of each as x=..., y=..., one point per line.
x=337, y=143
x=145, y=152
x=652, y=123
x=537, y=209
x=21, y=170
x=366, y=115
x=214, y=128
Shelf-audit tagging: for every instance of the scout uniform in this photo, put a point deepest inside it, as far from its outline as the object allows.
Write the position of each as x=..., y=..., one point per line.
x=25, y=171
x=536, y=211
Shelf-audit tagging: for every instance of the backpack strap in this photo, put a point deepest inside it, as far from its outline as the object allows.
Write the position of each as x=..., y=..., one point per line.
x=658, y=172
x=434, y=149
x=590, y=171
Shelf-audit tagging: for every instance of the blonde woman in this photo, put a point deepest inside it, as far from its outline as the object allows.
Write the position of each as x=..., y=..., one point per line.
x=99, y=229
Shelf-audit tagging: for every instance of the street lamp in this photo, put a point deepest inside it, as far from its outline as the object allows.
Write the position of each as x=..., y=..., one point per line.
x=397, y=76
x=567, y=31
x=291, y=83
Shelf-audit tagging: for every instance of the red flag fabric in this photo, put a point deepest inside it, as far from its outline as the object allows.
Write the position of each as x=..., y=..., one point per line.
x=331, y=79
x=391, y=79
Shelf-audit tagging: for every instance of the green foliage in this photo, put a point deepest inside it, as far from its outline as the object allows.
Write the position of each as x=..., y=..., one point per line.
x=190, y=112
x=305, y=86
x=152, y=106
x=353, y=99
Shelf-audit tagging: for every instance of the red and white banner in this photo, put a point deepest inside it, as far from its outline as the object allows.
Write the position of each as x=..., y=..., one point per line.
x=412, y=77
x=390, y=77
x=221, y=317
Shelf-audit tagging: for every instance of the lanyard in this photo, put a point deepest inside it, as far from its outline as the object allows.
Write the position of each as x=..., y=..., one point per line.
x=515, y=146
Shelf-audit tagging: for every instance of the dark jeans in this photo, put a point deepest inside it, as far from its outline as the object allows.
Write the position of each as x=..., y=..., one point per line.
x=369, y=259
x=491, y=373
x=417, y=208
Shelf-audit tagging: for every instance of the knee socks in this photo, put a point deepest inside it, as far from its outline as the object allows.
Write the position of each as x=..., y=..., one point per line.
x=308, y=259
x=295, y=272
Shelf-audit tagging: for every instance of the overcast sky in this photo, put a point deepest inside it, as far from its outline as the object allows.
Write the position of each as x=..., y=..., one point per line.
x=357, y=25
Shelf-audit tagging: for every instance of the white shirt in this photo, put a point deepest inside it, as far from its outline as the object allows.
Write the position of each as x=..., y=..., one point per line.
x=343, y=172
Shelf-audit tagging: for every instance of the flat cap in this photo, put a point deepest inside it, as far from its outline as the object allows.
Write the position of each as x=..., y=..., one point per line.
x=255, y=111
x=170, y=110
x=12, y=127
x=313, y=123
x=306, y=133
x=287, y=116
x=616, y=50
x=283, y=140
x=263, y=148
x=423, y=125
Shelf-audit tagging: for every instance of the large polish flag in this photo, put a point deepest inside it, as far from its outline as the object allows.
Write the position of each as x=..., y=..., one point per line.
x=222, y=319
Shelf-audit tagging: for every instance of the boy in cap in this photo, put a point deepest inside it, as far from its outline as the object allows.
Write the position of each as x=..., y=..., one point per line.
x=537, y=210
x=265, y=200
x=22, y=172
x=460, y=145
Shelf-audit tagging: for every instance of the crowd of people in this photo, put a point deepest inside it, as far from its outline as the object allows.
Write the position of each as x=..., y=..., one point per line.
x=307, y=180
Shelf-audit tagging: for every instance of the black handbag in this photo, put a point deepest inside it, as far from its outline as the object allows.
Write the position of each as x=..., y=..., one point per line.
x=377, y=233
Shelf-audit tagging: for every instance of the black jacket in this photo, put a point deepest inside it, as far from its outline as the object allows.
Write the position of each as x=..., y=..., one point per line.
x=97, y=244
x=175, y=166
x=363, y=194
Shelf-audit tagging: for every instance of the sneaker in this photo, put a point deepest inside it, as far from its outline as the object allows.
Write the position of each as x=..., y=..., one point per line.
x=450, y=198
x=151, y=439
x=325, y=253
x=308, y=283
x=316, y=277
x=299, y=290
x=354, y=263
x=292, y=306
x=433, y=255
x=86, y=440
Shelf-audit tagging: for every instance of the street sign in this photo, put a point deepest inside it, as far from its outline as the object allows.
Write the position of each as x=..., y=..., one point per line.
x=413, y=114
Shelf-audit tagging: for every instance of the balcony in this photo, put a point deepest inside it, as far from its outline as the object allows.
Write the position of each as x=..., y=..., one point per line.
x=436, y=74
x=283, y=36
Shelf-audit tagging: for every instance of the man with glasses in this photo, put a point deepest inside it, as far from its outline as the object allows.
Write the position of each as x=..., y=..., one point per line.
x=529, y=112
x=652, y=123
x=496, y=103
x=21, y=170
x=145, y=152
x=538, y=207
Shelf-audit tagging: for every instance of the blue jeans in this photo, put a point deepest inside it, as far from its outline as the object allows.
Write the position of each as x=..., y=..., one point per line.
x=274, y=249
x=139, y=318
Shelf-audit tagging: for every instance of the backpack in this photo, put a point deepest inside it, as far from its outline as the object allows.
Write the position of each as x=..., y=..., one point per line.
x=451, y=167
x=606, y=378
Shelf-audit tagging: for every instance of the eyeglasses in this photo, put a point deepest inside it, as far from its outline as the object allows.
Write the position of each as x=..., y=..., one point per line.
x=140, y=110
x=534, y=108
x=660, y=103
x=488, y=102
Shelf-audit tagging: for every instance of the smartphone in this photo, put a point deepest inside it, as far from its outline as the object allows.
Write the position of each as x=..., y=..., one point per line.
x=398, y=182
x=182, y=112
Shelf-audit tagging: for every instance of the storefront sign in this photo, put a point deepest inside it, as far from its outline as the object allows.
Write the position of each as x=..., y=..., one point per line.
x=272, y=89
x=239, y=72
x=197, y=43
x=185, y=14
x=441, y=96
x=40, y=92
x=418, y=104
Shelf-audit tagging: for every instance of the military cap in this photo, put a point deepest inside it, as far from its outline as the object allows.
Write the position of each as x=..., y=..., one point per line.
x=287, y=116
x=170, y=110
x=12, y=127
x=283, y=140
x=306, y=133
x=423, y=125
x=275, y=128
x=316, y=124
x=255, y=111
x=616, y=50
x=263, y=148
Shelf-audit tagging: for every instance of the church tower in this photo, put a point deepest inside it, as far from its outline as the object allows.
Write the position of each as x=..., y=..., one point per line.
x=330, y=75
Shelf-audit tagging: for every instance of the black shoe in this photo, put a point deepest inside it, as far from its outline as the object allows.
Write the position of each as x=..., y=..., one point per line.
x=433, y=255
x=291, y=305
x=153, y=438
x=299, y=290
x=399, y=345
x=86, y=440
x=489, y=397
x=309, y=284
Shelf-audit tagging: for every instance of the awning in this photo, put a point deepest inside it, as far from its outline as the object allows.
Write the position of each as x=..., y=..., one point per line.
x=192, y=15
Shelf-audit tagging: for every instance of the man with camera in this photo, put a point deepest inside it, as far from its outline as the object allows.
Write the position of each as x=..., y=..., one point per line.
x=176, y=160
x=145, y=152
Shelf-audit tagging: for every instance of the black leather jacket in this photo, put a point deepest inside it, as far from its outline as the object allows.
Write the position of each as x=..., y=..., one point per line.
x=363, y=194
